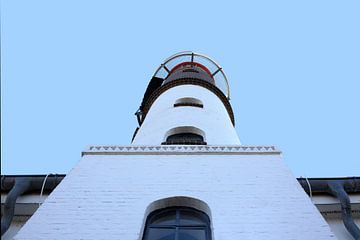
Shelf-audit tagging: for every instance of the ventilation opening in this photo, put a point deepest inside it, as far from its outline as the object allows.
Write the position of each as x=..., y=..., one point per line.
x=192, y=102
x=184, y=136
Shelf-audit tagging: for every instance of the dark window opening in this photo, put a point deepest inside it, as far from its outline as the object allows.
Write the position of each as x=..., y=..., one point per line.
x=177, y=223
x=185, y=139
x=188, y=104
x=193, y=102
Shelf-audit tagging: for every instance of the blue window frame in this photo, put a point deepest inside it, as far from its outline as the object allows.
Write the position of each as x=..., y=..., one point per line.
x=177, y=223
x=185, y=139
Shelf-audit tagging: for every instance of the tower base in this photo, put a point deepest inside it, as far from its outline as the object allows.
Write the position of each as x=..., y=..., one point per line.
x=247, y=192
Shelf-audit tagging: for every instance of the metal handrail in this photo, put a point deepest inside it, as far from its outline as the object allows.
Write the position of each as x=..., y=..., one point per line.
x=193, y=55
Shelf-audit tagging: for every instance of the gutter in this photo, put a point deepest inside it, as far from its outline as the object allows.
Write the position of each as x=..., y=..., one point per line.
x=16, y=185
x=339, y=188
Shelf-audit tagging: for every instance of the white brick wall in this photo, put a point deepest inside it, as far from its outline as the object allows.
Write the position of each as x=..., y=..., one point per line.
x=213, y=118
x=250, y=195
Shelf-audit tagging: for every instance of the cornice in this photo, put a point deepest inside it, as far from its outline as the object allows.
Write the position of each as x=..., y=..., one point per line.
x=180, y=150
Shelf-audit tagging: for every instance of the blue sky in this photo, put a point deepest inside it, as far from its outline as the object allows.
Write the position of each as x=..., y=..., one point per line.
x=73, y=73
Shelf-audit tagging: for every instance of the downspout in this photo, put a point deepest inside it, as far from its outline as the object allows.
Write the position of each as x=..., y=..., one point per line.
x=16, y=185
x=21, y=185
x=337, y=190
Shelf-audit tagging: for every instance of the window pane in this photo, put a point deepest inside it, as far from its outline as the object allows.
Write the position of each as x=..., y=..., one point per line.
x=191, y=218
x=192, y=234
x=184, y=137
x=160, y=234
x=165, y=218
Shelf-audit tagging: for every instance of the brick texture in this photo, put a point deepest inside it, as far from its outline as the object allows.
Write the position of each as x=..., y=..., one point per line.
x=249, y=196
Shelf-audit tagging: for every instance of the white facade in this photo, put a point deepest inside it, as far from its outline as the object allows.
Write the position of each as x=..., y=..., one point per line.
x=25, y=207
x=330, y=208
x=213, y=119
x=247, y=192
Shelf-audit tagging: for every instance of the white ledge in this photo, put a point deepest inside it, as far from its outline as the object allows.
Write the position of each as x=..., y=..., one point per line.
x=180, y=149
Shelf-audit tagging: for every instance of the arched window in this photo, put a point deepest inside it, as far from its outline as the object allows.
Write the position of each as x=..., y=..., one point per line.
x=185, y=139
x=177, y=223
x=184, y=136
x=188, y=101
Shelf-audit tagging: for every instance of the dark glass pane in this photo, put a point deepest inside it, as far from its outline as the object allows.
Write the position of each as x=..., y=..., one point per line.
x=192, y=234
x=191, y=218
x=160, y=234
x=165, y=218
x=184, y=137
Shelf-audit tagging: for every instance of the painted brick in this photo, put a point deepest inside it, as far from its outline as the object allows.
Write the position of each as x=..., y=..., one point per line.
x=250, y=196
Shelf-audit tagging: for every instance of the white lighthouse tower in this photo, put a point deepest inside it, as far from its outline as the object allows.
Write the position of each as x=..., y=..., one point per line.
x=188, y=100
x=184, y=177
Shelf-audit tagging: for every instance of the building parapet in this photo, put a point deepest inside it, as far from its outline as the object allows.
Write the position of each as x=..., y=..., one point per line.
x=180, y=149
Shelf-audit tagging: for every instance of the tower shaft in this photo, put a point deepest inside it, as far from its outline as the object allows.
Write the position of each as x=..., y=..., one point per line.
x=187, y=108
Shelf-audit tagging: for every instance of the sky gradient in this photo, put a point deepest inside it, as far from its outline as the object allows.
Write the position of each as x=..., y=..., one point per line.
x=73, y=73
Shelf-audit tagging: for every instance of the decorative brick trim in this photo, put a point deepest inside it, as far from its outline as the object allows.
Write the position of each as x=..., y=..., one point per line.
x=180, y=149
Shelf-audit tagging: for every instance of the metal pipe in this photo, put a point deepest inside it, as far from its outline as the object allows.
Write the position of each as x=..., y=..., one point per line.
x=339, y=188
x=22, y=185
x=16, y=185
x=320, y=185
x=8, y=181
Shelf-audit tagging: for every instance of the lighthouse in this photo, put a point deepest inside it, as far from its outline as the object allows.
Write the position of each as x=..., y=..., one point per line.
x=189, y=104
x=185, y=175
